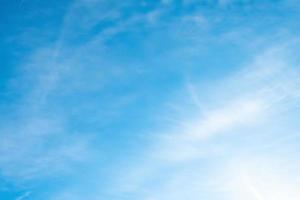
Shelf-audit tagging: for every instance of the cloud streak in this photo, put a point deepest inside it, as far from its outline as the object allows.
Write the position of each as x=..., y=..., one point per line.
x=155, y=101
x=266, y=88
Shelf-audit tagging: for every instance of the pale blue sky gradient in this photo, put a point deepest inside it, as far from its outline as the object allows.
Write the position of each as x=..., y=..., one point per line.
x=149, y=100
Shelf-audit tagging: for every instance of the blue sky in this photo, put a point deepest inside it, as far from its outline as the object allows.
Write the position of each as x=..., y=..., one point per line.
x=149, y=100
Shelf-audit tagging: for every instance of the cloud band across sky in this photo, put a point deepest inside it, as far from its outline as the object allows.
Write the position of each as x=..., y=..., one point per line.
x=149, y=100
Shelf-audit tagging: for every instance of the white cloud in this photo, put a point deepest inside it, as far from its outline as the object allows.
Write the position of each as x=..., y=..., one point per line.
x=40, y=134
x=258, y=177
x=27, y=150
x=178, y=162
x=183, y=158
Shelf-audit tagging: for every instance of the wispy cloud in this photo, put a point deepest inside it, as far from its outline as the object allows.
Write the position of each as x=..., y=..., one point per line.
x=41, y=134
x=228, y=132
x=263, y=89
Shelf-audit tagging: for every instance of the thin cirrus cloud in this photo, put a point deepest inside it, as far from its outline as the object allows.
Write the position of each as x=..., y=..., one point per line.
x=40, y=134
x=267, y=87
x=153, y=100
x=189, y=161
